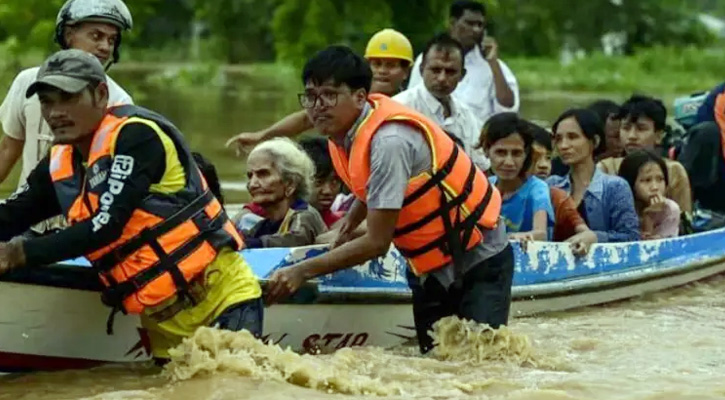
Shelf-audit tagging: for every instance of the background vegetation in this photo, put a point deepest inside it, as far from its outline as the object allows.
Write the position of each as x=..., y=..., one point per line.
x=217, y=67
x=653, y=45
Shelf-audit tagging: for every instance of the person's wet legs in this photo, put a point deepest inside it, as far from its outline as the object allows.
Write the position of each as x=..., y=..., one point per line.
x=486, y=290
x=247, y=315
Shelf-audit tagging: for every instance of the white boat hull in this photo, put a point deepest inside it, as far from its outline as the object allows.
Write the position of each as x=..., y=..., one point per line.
x=45, y=327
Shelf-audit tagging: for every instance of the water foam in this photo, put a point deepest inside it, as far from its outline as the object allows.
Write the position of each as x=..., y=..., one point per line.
x=366, y=371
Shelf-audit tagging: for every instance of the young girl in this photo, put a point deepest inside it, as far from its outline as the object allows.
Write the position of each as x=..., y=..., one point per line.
x=646, y=173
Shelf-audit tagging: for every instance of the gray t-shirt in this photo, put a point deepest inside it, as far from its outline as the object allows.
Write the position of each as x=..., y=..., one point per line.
x=397, y=153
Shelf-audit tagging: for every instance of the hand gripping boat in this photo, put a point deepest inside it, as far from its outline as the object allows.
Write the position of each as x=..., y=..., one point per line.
x=51, y=317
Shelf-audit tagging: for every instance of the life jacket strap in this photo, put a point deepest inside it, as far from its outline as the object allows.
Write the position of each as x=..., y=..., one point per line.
x=110, y=320
x=434, y=180
x=466, y=227
x=120, y=253
x=115, y=294
x=446, y=205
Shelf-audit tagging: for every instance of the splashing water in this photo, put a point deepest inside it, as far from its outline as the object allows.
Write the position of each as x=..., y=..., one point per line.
x=363, y=371
x=462, y=340
x=211, y=350
x=659, y=347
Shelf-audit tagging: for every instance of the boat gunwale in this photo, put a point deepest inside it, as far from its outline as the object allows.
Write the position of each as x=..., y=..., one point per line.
x=568, y=287
x=314, y=293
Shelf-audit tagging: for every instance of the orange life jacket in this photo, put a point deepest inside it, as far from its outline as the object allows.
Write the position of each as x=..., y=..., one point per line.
x=169, y=239
x=445, y=209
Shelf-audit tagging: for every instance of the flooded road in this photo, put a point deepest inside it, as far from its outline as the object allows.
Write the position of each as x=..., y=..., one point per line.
x=663, y=346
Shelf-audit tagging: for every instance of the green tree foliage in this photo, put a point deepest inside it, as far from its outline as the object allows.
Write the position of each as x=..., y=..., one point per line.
x=159, y=22
x=661, y=22
x=360, y=20
x=302, y=27
x=431, y=17
x=522, y=27
x=236, y=31
x=542, y=28
x=240, y=29
x=27, y=24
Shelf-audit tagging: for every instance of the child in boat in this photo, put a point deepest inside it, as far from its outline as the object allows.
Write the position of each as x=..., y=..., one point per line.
x=647, y=175
x=280, y=180
x=327, y=185
x=643, y=121
x=569, y=226
x=526, y=208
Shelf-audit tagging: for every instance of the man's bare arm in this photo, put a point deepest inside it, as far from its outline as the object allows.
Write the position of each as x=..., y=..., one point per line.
x=292, y=125
x=374, y=243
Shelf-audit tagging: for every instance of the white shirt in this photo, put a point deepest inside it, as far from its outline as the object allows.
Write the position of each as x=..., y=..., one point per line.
x=462, y=123
x=21, y=118
x=477, y=89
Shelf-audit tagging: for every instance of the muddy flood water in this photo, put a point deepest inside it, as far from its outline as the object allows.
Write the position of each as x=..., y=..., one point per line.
x=662, y=346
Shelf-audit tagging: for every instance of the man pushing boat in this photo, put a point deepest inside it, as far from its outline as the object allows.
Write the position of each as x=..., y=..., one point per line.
x=417, y=189
x=138, y=208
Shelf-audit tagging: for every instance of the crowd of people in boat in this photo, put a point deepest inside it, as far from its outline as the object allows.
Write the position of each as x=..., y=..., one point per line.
x=637, y=193
x=601, y=173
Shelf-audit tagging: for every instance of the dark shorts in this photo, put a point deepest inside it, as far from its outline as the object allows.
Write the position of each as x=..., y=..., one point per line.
x=483, y=295
x=247, y=315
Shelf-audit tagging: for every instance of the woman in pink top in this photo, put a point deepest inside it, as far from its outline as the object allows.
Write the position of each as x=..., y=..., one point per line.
x=646, y=173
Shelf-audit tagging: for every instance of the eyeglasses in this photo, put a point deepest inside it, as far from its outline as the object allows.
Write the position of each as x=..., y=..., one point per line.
x=327, y=99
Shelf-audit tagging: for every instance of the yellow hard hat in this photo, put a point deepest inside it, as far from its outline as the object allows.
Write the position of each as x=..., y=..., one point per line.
x=389, y=43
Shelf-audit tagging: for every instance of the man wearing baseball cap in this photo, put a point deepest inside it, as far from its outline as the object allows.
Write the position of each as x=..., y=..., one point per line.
x=95, y=26
x=138, y=208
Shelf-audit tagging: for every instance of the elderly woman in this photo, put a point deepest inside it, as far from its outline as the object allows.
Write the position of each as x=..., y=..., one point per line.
x=280, y=180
